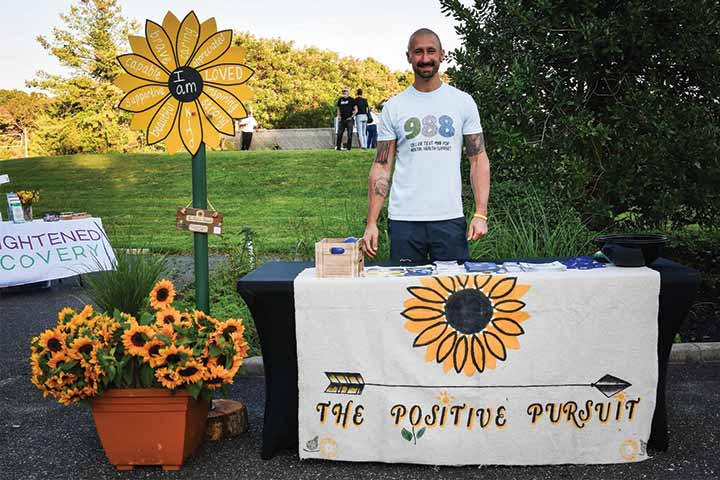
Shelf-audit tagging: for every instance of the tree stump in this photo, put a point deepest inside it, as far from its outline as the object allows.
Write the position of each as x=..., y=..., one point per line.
x=227, y=419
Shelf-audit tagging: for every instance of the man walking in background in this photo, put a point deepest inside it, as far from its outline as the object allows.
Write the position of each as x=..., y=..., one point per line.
x=361, y=118
x=248, y=126
x=422, y=132
x=345, y=114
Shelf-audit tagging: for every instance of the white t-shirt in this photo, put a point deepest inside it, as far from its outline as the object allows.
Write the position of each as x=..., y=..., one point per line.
x=249, y=124
x=429, y=129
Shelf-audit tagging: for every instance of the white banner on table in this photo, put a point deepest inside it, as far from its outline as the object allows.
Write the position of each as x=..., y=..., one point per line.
x=39, y=251
x=528, y=368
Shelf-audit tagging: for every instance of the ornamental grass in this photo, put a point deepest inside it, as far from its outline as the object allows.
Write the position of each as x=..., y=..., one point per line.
x=88, y=352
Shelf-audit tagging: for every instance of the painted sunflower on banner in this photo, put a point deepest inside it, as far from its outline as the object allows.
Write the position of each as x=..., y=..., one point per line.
x=184, y=82
x=467, y=323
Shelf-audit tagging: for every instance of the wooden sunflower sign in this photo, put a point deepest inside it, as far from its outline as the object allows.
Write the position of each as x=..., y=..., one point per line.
x=185, y=85
x=184, y=82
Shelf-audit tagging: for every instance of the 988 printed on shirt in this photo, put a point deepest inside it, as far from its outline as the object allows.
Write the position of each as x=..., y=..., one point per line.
x=430, y=126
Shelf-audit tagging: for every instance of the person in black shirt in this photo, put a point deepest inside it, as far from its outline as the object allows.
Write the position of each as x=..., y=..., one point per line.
x=361, y=119
x=346, y=110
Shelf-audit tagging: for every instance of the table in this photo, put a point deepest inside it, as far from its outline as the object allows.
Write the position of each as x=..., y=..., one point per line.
x=39, y=251
x=268, y=292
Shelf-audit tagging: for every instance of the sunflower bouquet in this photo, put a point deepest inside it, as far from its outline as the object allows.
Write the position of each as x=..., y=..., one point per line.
x=28, y=197
x=88, y=352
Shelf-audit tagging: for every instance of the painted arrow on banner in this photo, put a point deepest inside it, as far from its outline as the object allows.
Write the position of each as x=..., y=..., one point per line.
x=353, y=383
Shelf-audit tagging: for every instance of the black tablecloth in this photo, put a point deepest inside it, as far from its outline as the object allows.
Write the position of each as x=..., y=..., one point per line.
x=268, y=292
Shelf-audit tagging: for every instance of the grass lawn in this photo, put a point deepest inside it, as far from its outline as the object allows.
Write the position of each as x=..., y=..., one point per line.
x=286, y=197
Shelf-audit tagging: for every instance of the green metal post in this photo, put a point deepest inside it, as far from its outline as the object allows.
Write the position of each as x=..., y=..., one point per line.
x=199, y=189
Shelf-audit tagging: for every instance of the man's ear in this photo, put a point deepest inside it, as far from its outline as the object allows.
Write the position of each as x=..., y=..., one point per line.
x=442, y=55
x=407, y=55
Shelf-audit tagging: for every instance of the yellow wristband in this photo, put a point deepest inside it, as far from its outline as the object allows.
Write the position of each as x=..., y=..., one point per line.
x=480, y=215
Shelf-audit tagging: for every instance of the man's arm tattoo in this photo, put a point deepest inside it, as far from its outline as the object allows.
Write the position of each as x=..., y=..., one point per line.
x=382, y=186
x=474, y=144
x=383, y=153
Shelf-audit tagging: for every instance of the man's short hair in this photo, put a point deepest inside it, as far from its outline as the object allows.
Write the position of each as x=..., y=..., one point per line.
x=424, y=31
x=359, y=91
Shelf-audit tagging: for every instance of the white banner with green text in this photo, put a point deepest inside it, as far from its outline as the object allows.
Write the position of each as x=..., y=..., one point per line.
x=514, y=369
x=39, y=251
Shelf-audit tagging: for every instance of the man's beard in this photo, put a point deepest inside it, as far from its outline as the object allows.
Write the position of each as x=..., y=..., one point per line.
x=428, y=73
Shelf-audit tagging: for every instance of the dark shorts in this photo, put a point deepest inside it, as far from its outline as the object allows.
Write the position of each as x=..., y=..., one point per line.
x=420, y=242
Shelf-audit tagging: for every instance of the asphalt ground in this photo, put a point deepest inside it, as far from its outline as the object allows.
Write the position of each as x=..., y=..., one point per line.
x=41, y=439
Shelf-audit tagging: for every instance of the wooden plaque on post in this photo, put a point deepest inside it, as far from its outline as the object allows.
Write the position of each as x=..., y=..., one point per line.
x=199, y=221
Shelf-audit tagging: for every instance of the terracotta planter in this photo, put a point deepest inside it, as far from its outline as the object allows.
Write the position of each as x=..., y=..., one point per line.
x=149, y=426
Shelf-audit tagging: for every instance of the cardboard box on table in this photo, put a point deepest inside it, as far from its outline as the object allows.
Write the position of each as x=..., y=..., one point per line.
x=336, y=259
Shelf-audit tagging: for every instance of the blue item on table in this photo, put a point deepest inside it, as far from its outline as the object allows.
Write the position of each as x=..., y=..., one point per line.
x=337, y=250
x=350, y=240
x=582, y=263
x=481, y=267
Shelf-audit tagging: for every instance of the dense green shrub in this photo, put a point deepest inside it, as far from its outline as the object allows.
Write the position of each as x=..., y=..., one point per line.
x=613, y=105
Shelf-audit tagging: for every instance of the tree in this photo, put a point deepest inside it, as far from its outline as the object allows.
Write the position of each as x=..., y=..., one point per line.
x=20, y=113
x=298, y=88
x=81, y=116
x=613, y=104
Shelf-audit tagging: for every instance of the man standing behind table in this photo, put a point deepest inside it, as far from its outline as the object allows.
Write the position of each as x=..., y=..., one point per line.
x=248, y=126
x=345, y=114
x=422, y=131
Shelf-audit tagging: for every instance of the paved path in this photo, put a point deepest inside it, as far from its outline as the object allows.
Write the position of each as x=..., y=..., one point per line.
x=40, y=439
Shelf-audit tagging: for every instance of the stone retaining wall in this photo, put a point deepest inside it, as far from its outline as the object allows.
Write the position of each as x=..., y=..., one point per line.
x=290, y=139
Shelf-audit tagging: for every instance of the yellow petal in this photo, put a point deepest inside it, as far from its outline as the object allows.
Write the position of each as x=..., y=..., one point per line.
x=187, y=39
x=160, y=45
x=503, y=287
x=241, y=92
x=142, y=67
x=518, y=291
x=494, y=345
x=233, y=55
x=211, y=137
x=422, y=313
x=479, y=281
x=430, y=334
x=462, y=280
x=516, y=316
x=207, y=29
x=427, y=294
x=460, y=355
x=414, y=302
x=226, y=101
x=212, y=48
x=220, y=120
x=127, y=83
x=508, y=326
x=477, y=353
x=508, y=306
x=174, y=142
x=446, y=346
x=163, y=122
x=171, y=24
x=143, y=98
x=190, y=127
x=139, y=45
x=416, y=326
x=140, y=121
x=227, y=74
x=446, y=283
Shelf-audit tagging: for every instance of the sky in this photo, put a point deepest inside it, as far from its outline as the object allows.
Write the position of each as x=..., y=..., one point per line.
x=365, y=28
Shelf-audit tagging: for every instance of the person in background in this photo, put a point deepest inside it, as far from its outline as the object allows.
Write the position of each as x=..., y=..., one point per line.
x=345, y=114
x=372, y=128
x=248, y=126
x=361, y=119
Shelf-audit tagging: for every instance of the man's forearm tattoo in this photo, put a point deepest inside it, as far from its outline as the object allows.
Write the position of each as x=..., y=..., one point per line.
x=383, y=153
x=474, y=144
x=382, y=186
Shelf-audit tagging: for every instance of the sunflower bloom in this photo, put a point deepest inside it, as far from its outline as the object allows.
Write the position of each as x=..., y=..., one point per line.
x=184, y=83
x=168, y=378
x=466, y=323
x=52, y=340
x=230, y=328
x=84, y=347
x=174, y=355
x=152, y=352
x=65, y=315
x=191, y=372
x=216, y=376
x=167, y=316
x=163, y=295
x=135, y=338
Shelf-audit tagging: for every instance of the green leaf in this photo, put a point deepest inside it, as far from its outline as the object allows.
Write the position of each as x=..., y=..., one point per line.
x=163, y=338
x=406, y=435
x=420, y=433
x=215, y=350
x=194, y=388
x=146, y=318
x=185, y=341
x=67, y=366
x=147, y=375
